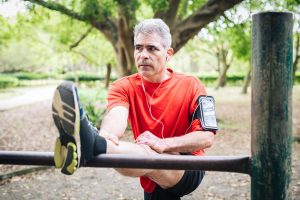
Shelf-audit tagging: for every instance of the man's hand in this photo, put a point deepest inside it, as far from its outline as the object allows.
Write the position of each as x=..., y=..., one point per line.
x=110, y=137
x=157, y=144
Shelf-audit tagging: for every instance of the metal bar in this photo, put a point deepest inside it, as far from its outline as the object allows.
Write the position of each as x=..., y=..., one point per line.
x=239, y=164
x=271, y=127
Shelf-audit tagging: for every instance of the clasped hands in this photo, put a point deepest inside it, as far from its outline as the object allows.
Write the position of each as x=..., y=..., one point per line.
x=155, y=143
x=147, y=138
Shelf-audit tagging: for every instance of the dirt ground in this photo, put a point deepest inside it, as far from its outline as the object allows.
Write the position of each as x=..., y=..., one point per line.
x=31, y=128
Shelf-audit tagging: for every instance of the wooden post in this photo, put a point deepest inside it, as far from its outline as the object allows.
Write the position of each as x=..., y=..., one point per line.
x=271, y=128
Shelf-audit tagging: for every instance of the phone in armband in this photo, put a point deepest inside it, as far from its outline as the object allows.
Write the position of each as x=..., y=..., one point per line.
x=207, y=113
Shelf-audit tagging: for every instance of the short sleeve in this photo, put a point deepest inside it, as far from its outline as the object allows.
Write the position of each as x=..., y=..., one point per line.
x=118, y=95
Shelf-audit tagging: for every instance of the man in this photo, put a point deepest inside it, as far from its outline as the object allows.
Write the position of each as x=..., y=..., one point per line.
x=161, y=106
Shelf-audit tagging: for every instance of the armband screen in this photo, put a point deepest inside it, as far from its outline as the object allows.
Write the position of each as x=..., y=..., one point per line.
x=206, y=113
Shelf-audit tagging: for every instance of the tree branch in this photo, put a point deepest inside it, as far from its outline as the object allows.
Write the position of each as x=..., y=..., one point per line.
x=106, y=26
x=184, y=9
x=58, y=7
x=189, y=27
x=169, y=15
x=85, y=57
x=81, y=38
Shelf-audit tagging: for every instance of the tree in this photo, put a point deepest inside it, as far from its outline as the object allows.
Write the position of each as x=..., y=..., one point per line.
x=217, y=40
x=292, y=6
x=116, y=20
x=240, y=44
x=229, y=40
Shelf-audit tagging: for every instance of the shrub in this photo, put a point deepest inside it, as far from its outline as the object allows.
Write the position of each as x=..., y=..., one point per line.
x=297, y=79
x=8, y=81
x=85, y=76
x=231, y=79
x=30, y=76
x=33, y=75
x=93, y=104
x=82, y=76
x=208, y=80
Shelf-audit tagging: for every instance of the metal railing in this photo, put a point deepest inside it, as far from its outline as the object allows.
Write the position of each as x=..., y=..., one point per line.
x=239, y=164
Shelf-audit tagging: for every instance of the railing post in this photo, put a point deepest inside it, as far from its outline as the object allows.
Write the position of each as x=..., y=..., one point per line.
x=271, y=127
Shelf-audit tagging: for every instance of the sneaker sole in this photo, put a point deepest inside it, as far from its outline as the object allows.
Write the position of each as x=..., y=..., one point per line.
x=65, y=112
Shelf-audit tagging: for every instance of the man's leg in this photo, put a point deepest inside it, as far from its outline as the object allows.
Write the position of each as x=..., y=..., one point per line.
x=188, y=183
x=72, y=124
x=164, y=178
x=70, y=119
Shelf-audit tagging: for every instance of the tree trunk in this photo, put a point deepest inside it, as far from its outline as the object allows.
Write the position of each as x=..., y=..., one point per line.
x=125, y=60
x=108, y=72
x=74, y=69
x=247, y=80
x=218, y=61
x=222, y=78
x=124, y=46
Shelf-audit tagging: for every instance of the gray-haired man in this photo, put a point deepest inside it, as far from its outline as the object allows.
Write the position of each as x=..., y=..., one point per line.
x=159, y=104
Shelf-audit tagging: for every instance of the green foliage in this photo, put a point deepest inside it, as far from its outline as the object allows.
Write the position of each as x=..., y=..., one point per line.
x=240, y=41
x=34, y=76
x=102, y=10
x=23, y=56
x=82, y=76
x=8, y=81
x=93, y=101
x=231, y=79
x=194, y=5
x=25, y=47
x=40, y=40
x=297, y=80
x=5, y=33
x=158, y=5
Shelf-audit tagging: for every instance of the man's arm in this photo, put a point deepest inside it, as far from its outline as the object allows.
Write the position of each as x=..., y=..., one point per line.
x=185, y=144
x=114, y=123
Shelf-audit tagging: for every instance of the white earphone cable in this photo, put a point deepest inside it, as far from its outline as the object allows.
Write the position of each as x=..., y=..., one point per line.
x=149, y=107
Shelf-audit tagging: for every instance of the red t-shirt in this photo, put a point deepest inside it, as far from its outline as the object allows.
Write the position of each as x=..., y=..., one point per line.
x=172, y=104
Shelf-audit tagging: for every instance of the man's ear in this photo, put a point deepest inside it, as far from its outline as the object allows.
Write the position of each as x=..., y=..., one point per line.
x=170, y=53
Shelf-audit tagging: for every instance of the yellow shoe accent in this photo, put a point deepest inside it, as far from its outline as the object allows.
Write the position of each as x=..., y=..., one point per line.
x=71, y=163
x=59, y=154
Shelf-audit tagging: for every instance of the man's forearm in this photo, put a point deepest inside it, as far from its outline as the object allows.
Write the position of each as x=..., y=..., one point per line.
x=109, y=126
x=115, y=122
x=190, y=142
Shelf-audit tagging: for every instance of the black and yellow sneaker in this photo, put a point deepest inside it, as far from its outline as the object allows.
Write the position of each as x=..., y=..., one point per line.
x=66, y=115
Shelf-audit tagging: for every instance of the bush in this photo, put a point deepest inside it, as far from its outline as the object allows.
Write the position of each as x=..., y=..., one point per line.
x=33, y=75
x=93, y=101
x=82, y=76
x=8, y=81
x=208, y=80
x=297, y=79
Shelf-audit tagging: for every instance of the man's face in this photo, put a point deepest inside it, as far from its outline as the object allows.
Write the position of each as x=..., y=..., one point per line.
x=151, y=56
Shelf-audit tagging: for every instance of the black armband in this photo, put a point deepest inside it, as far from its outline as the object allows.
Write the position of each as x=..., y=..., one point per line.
x=206, y=113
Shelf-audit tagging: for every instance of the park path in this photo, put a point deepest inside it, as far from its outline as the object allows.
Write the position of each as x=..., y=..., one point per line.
x=16, y=97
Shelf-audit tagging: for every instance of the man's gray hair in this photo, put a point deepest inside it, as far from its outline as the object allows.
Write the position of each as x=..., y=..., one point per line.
x=156, y=25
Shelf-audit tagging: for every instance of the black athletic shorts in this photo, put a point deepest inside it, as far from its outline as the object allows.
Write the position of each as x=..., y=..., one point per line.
x=188, y=183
